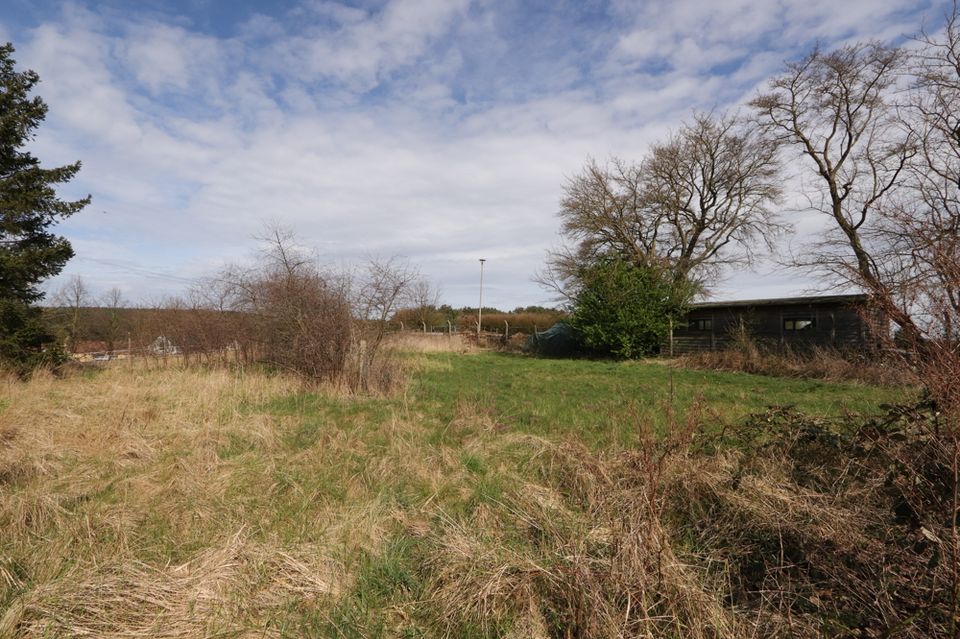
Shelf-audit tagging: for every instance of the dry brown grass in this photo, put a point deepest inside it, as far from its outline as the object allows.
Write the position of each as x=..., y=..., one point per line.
x=415, y=342
x=819, y=364
x=787, y=529
x=582, y=551
x=231, y=588
x=186, y=502
x=91, y=465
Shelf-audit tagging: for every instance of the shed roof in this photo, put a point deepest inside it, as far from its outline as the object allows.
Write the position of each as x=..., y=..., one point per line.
x=857, y=298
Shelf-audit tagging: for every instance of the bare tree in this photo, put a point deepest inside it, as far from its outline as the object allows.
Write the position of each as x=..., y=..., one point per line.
x=925, y=231
x=698, y=202
x=924, y=228
x=301, y=315
x=837, y=109
x=222, y=329
x=113, y=303
x=880, y=130
x=422, y=300
x=385, y=286
x=286, y=311
x=73, y=297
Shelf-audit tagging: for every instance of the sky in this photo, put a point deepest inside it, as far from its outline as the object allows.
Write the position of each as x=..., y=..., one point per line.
x=439, y=131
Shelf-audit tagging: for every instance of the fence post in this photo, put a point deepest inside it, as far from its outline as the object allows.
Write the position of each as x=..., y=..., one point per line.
x=363, y=363
x=506, y=330
x=449, y=328
x=671, y=337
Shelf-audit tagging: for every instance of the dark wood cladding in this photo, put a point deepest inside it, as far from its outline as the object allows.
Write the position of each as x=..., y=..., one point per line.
x=796, y=323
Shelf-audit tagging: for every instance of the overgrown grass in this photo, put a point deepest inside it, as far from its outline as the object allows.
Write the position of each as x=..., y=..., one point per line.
x=746, y=356
x=189, y=502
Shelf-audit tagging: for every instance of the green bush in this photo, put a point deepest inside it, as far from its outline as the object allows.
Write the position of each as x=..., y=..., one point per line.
x=626, y=310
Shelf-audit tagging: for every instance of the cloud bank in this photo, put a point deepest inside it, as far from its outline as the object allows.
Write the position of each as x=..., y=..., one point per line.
x=440, y=130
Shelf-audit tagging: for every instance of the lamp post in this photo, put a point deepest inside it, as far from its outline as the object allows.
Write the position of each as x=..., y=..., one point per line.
x=480, y=308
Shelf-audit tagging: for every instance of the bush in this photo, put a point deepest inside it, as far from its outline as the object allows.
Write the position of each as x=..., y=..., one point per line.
x=626, y=310
x=288, y=313
x=302, y=322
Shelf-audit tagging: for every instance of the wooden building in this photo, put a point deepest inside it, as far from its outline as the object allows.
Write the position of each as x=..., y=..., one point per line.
x=794, y=323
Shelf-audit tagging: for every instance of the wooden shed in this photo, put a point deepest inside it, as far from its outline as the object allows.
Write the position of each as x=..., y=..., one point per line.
x=796, y=323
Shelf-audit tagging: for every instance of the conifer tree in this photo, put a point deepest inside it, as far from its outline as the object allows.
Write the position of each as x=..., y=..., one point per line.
x=29, y=207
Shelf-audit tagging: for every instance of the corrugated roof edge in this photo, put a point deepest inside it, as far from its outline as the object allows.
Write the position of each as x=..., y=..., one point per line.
x=786, y=301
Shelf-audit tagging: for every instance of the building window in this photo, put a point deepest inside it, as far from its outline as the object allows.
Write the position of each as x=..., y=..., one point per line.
x=701, y=324
x=799, y=324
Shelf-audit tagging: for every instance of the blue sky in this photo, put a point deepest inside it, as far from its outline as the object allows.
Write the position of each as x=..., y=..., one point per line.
x=438, y=130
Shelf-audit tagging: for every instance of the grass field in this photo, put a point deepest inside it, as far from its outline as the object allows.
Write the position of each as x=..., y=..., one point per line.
x=604, y=402
x=169, y=502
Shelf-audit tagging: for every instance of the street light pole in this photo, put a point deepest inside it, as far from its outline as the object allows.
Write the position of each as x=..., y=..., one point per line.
x=480, y=308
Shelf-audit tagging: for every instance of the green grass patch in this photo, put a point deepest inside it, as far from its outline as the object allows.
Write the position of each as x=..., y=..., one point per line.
x=605, y=402
x=386, y=581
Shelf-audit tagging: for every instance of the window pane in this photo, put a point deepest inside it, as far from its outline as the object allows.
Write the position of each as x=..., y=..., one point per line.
x=798, y=324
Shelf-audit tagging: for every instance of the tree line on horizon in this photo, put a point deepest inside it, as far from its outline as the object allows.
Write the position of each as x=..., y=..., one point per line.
x=83, y=322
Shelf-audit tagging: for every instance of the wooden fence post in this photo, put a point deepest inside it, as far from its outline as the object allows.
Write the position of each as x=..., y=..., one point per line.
x=671, y=337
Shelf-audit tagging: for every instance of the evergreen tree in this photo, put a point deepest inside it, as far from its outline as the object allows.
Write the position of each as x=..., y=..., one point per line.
x=29, y=206
x=625, y=310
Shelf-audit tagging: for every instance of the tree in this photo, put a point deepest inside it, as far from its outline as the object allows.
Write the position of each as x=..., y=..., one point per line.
x=422, y=302
x=923, y=228
x=29, y=206
x=70, y=300
x=113, y=303
x=626, y=310
x=385, y=287
x=838, y=110
x=696, y=203
x=922, y=232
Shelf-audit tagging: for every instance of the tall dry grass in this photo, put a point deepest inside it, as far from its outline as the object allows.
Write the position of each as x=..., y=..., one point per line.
x=112, y=494
x=416, y=342
x=823, y=364
x=189, y=502
x=782, y=527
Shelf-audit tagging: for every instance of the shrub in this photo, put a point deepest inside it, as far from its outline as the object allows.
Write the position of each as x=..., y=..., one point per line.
x=288, y=313
x=626, y=310
x=302, y=322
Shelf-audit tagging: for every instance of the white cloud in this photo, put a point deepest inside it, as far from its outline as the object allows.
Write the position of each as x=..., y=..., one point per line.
x=382, y=131
x=165, y=57
x=362, y=49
